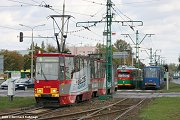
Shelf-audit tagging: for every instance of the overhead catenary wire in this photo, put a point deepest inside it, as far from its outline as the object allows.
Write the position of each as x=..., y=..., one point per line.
x=124, y=19
x=94, y=2
x=85, y=37
x=142, y=2
x=22, y=2
x=35, y=1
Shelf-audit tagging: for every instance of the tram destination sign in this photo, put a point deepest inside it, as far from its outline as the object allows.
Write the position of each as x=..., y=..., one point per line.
x=120, y=54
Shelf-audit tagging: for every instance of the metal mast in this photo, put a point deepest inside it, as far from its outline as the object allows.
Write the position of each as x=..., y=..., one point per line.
x=62, y=28
x=108, y=33
x=108, y=48
x=137, y=43
x=137, y=49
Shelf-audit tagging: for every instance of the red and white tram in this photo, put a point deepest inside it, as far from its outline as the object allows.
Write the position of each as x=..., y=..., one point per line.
x=66, y=79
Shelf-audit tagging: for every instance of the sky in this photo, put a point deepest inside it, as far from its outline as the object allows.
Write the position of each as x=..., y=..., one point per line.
x=159, y=17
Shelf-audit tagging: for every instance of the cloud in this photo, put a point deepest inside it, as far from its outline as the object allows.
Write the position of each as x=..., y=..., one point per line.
x=169, y=7
x=160, y=17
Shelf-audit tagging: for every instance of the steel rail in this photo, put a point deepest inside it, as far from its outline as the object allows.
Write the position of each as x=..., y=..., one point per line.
x=92, y=111
x=84, y=117
x=131, y=108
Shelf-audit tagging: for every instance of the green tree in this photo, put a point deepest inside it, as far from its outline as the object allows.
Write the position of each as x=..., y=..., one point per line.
x=172, y=68
x=51, y=48
x=42, y=45
x=12, y=60
x=122, y=46
x=27, y=62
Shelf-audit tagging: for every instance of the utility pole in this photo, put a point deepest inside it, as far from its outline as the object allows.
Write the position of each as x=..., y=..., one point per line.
x=62, y=28
x=108, y=21
x=150, y=57
x=108, y=48
x=155, y=55
x=137, y=49
x=137, y=43
x=32, y=46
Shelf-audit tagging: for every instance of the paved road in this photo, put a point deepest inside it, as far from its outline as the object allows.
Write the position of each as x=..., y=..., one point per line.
x=19, y=93
x=177, y=81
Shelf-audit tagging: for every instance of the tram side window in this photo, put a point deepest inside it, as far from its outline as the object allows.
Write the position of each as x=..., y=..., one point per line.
x=81, y=63
x=69, y=67
x=61, y=71
x=92, y=68
x=101, y=70
x=85, y=62
x=96, y=69
x=76, y=64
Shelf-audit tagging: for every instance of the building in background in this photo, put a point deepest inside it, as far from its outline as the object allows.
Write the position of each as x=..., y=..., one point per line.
x=82, y=50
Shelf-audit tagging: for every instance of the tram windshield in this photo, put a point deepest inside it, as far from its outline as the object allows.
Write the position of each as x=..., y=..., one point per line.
x=124, y=75
x=47, y=68
x=151, y=72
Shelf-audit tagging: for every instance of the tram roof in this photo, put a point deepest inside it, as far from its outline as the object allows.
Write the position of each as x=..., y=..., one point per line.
x=64, y=55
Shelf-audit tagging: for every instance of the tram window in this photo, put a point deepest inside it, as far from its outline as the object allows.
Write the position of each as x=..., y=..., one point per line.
x=124, y=75
x=85, y=63
x=101, y=70
x=68, y=75
x=96, y=69
x=76, y=64
x=151, y=73
x=61, y=71
x=81, y=63
x=47, y=68
x=92, y=68
x=69, y=67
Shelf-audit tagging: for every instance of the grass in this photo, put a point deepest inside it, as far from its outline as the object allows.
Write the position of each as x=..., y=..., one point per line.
x=173, y=87
x=17, y=102
x=165, y=108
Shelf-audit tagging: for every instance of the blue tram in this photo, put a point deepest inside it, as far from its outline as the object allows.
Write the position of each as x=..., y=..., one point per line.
x=153, y=77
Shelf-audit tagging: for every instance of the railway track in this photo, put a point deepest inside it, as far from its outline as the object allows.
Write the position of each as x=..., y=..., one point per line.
x=115, y=110
x=18, y=113
x=112, y=109
x=27, y=113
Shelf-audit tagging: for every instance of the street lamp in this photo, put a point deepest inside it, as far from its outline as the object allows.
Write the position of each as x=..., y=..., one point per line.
x=32, y=47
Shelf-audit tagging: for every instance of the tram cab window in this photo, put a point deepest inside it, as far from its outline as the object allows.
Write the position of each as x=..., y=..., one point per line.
x=124, y=75
x=47, y=68
x=151, y=73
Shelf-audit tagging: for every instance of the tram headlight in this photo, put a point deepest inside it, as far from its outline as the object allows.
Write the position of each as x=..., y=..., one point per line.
x=53, y=90
x=39, y=90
